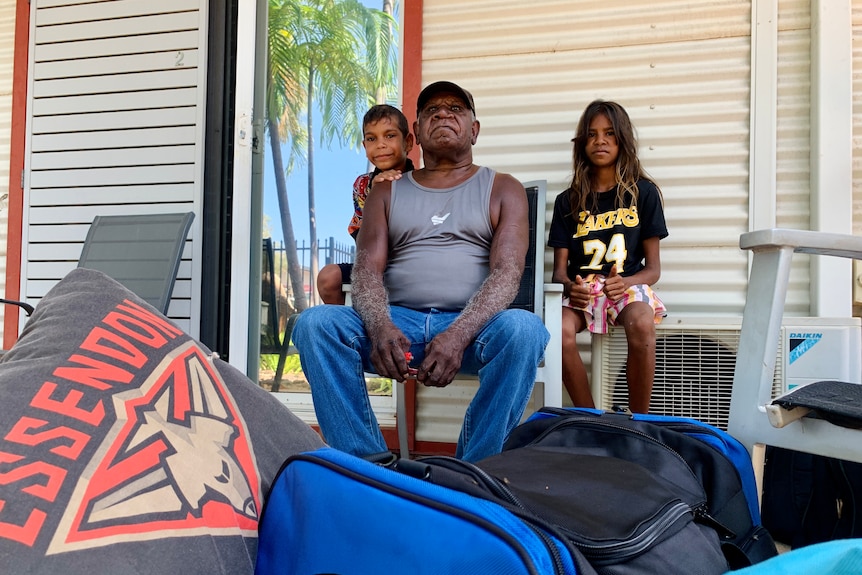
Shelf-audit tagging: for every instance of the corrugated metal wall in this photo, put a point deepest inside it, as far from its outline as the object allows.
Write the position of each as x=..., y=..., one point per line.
x=857, y=138
x=115, y=127
x=793, y=138
x=857, y=117
x=7, y=56
x=682, y=69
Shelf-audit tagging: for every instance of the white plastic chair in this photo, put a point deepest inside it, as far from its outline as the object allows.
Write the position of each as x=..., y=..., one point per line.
x=749, y=420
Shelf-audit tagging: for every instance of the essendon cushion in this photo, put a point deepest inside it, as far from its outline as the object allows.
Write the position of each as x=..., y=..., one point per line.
x=126, y=447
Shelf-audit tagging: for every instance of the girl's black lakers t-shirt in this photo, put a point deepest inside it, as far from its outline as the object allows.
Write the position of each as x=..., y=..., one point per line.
x=610, y=235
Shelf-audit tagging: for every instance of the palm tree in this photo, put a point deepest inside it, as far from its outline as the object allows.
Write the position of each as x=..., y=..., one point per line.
x=388, y=8
x=284, y=104
x=333, y=53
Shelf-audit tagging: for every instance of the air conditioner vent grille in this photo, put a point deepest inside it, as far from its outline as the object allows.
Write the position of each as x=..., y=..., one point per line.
x=694, y=372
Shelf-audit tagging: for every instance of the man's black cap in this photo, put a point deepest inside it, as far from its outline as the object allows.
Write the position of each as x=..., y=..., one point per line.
x=440, y=87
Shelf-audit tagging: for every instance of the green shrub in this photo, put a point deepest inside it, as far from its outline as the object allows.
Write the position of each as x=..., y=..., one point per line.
x=375, y=385
x=269, y=361
x=292, y=365
x=379, y=385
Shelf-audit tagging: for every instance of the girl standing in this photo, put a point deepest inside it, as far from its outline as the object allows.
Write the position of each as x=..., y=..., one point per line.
x=605, y=233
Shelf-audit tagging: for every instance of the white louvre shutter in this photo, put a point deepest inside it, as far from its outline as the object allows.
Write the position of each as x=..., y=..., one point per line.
x=115, y=112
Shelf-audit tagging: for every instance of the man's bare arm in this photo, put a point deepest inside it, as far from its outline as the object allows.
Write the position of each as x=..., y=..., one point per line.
x=370, y=299
x=510, y=220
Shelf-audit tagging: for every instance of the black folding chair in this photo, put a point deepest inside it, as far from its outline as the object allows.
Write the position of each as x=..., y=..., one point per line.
x=142, y=252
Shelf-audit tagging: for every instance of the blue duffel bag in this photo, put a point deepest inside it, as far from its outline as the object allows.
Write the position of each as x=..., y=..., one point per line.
x=332, y=513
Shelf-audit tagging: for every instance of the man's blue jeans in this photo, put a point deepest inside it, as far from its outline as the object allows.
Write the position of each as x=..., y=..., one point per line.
x=335, y=353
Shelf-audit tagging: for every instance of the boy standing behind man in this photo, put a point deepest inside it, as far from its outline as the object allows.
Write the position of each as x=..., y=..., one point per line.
x=387, y=141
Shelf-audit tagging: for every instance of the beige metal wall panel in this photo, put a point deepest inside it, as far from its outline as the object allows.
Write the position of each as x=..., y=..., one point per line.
x=682, y=71
x=794, y=150
x=794, y=15
x=115, y=116
x=440, y=411
x=857, y=146
x=857, y=117
x=7, y=58
x=793, y=199
x=489, y=28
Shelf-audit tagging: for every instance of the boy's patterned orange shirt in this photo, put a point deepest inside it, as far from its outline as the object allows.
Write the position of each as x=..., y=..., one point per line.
x=361, y=187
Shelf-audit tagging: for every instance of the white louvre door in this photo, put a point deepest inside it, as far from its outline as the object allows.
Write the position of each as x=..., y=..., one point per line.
x=115, y=126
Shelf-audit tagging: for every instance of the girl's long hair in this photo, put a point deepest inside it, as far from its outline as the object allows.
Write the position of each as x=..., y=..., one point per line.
x=628, y=167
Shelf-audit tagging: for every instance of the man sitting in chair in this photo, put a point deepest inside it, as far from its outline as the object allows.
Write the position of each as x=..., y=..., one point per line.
x=439, y=259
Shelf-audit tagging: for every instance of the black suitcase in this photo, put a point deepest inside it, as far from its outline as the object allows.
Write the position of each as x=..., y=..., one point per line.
x=811, y=498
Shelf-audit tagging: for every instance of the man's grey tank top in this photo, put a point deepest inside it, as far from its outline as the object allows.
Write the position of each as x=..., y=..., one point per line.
x=439, y=242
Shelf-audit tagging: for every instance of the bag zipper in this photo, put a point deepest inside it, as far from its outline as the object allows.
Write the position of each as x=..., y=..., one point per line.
x=624, y=550
x=600, y=554
x=680, y=426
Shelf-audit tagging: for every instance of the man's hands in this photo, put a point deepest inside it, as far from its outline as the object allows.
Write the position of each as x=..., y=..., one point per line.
x=442, y=360
x=439, y=367
x=388, y=355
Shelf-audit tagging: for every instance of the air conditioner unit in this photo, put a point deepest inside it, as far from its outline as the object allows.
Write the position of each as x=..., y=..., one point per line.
x=695, y=361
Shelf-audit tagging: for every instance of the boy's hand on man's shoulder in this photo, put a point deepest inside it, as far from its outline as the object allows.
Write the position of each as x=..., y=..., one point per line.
x=387, y=176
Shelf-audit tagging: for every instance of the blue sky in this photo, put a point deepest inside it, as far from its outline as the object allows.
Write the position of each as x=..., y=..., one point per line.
x=335, y=170
x=334, y=173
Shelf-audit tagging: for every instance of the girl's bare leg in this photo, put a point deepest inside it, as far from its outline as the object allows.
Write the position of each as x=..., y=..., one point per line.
x=638, y=320
x=574, y=373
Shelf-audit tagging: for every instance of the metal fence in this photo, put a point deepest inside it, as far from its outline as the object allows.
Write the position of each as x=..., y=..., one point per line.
x=328, y=252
